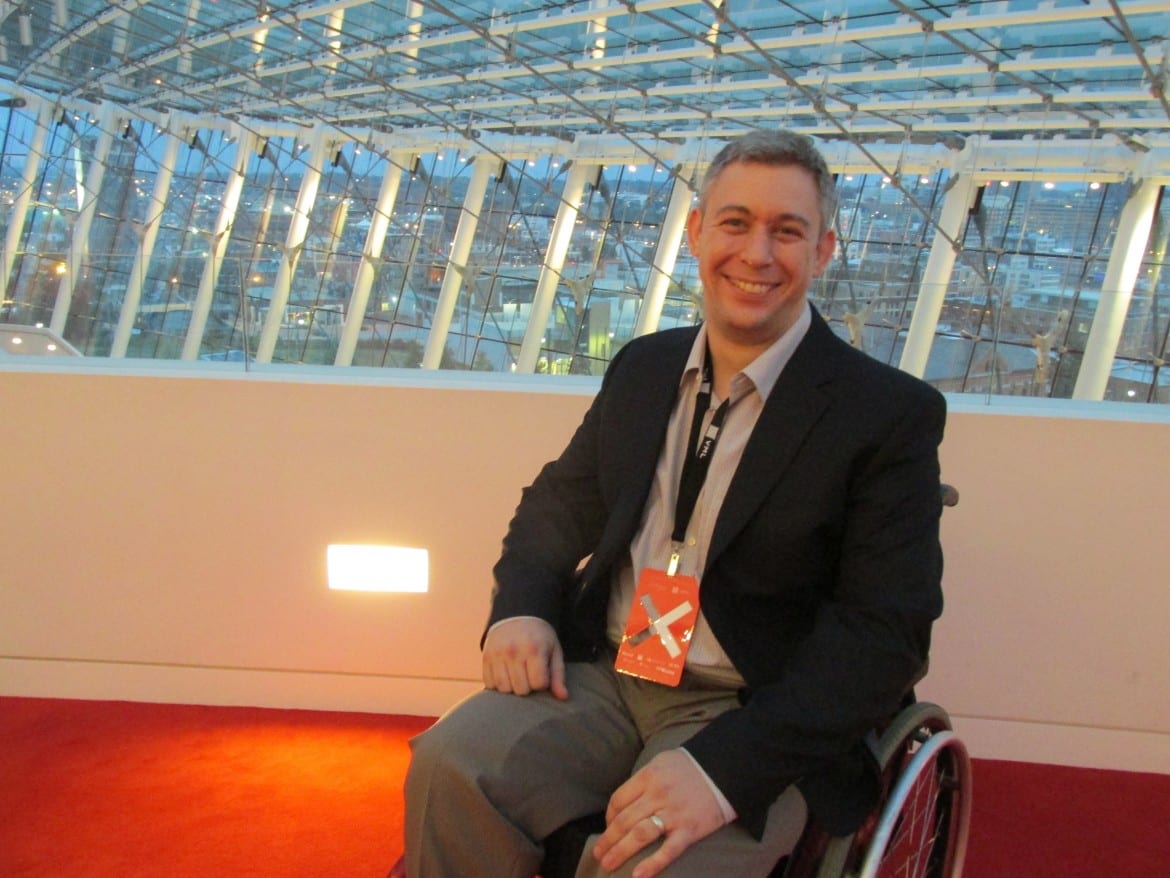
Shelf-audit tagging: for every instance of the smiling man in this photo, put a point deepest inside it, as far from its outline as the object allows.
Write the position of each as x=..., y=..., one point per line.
x=725, y=580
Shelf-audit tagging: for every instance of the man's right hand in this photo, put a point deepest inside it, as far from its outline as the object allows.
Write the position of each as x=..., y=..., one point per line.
x=523, y=655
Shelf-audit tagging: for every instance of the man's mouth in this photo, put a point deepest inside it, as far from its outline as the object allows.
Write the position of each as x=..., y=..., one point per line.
x=753, y=287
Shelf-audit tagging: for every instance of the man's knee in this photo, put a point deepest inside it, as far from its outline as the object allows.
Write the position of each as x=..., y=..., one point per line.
x=488, y=739
x=444, y=747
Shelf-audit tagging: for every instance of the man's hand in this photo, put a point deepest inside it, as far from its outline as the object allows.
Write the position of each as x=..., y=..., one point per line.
x=523, y=655
x=672, y=788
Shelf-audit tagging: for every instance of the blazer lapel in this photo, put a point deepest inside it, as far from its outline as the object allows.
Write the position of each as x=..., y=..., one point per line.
x=643, y=405
x=792, y=410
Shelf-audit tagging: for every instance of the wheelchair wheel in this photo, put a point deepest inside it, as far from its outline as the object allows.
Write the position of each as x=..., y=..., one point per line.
x=923, y=832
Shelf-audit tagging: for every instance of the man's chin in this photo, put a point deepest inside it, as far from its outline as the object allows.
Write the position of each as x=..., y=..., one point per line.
x=748, y=333
x=763, y=321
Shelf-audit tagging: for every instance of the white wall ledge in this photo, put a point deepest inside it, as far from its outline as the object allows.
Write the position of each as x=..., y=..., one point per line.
x=568, y=385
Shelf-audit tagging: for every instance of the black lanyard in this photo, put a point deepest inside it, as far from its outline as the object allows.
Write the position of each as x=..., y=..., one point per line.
x=700, y=450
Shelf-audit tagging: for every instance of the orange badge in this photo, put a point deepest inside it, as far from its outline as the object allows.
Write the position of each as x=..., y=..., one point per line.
x=658, y=630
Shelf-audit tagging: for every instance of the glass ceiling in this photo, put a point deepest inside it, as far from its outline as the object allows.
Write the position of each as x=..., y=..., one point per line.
x=644, y=70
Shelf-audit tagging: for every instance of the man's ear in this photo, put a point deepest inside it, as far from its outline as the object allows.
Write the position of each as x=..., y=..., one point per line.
x=694, y=226
x=826, y=247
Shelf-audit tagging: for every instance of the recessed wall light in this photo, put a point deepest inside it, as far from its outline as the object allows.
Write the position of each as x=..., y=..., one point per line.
x=377, y=568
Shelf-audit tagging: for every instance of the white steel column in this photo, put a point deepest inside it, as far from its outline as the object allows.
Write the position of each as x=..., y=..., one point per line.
x=91, y=186
x=1125, y=261
x=147, y=236
x=670, y=236
x=333, y=26
x=932, y=290
x=298, y=227
x=19, y=212
x=482, y=170
x=184, y=62
x=359, y=298
x=554, y=263
x=598, y=28
x=414, y=12
x=713, y=29
x=232, y=190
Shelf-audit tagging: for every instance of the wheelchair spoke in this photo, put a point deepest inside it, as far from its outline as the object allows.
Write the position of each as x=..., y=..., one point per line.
x=912, y=848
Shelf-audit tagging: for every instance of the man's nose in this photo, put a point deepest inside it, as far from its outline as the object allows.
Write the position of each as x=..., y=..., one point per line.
x=757, y=247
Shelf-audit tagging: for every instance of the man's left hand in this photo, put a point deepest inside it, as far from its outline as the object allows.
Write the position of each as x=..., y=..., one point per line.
x=672, y=788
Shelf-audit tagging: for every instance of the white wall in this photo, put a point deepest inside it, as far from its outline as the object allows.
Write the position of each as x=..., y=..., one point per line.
x=164, y=540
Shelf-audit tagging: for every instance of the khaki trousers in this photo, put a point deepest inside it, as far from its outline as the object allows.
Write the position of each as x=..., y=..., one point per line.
x=500, y=772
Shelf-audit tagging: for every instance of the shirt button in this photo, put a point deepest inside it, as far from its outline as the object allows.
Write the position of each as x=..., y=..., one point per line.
x=692, y=541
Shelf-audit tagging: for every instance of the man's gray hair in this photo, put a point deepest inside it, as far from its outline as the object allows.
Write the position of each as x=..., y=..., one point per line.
x=766, y=147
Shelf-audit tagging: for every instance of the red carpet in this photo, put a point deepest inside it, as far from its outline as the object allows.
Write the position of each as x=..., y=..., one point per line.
x=121, y=790
x=112, y=790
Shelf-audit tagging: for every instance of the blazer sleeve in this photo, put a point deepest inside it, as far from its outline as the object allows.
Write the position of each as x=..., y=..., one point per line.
x=870, y=635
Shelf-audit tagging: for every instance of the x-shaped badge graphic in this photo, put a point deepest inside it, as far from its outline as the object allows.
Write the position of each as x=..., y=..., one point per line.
x=660, y=624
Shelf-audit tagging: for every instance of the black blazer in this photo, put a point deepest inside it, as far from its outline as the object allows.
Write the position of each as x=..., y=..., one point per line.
x=822, y=579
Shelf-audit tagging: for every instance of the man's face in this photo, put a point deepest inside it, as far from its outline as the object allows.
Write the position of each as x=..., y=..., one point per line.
x=759, y=246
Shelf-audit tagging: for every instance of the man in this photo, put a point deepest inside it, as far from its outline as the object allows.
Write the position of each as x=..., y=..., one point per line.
x=707, y=677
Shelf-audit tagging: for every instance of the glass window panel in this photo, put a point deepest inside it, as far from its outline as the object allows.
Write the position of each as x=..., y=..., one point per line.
x=1030, y=277
x=182, y=250
x=883, y=239
x=42, y=262
x=503, y=267
x=415, y=256
x=1139, y=371
x=16, y=303
x=328, y=260
x=121, y=207
x=607, y=268
x=246, y=282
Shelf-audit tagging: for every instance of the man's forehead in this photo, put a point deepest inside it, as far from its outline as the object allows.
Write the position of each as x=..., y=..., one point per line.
x=790, y=173
x=796, y=199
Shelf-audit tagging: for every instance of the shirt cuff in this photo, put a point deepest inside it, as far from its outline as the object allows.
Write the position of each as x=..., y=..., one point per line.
x=508, y=619
x=729, y=814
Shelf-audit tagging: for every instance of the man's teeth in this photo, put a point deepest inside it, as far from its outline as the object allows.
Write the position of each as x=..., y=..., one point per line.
x=751, y=287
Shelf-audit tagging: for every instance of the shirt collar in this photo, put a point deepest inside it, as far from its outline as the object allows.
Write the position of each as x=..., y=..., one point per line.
x=764, y=371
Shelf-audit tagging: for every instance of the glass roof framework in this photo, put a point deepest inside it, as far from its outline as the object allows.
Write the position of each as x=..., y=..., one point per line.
x=645, y=70
x=1053, y=99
